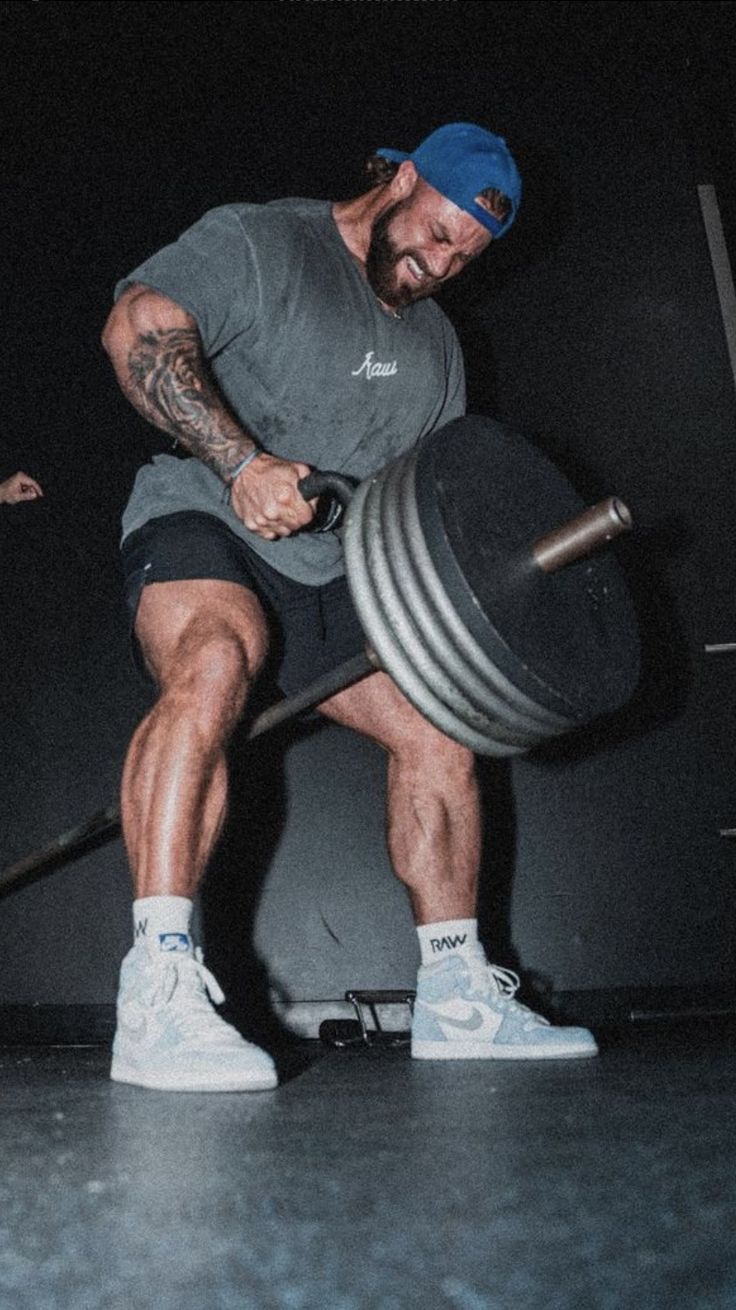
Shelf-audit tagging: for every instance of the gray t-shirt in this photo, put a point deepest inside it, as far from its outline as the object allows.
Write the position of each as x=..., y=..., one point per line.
x=306, y=357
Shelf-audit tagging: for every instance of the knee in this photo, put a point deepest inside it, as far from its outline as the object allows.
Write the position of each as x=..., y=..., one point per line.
x=210, y=674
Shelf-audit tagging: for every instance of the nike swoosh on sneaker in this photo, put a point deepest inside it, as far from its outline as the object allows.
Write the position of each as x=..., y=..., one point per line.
x=471, y=1024
x=471, y=1019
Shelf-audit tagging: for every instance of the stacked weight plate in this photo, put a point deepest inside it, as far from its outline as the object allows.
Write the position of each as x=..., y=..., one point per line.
x=494, y=651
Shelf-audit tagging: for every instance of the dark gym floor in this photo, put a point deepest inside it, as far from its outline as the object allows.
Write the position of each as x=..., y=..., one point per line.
x=371, y=1182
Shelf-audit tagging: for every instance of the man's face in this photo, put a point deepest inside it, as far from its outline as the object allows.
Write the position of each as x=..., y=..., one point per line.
x=418, y=244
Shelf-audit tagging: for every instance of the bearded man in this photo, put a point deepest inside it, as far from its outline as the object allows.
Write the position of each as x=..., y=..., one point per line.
x=267, y=341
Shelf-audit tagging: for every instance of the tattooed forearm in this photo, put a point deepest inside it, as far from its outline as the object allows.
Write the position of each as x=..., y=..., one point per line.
x=168, y=382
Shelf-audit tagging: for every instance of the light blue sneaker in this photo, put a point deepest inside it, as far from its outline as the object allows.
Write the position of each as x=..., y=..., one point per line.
x=465, y=1010
x=168, y=1035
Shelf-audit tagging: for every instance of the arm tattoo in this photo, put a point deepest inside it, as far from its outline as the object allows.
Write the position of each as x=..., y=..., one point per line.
x=168, y=383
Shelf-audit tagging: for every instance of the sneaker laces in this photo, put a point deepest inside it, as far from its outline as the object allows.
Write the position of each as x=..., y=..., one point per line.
x=190, y=989
x=486, y=977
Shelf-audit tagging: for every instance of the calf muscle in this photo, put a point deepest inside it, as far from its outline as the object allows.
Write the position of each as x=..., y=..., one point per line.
x=204, y=641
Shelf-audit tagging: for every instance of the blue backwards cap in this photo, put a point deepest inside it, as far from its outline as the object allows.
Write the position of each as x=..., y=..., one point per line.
x=460, y=160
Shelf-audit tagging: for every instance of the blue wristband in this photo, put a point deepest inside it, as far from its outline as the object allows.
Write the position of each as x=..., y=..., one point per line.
x=244, y=463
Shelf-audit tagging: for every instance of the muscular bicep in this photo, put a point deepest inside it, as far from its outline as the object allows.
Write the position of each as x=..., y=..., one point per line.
x=142, y=315
x=156, y=350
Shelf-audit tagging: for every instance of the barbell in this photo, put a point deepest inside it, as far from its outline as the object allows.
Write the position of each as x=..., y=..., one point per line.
x=478, y=579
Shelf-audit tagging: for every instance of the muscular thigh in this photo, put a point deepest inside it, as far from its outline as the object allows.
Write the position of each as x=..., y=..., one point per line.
x=176, y=621
x=377, y=709
x=312, y=629
x=192, y=595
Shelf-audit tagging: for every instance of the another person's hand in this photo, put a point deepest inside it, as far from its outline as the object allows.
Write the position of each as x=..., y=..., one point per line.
x=266, y=499
x=19, y=487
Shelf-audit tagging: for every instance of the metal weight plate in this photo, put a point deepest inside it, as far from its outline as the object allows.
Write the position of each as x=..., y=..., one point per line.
x=493, y=650
x=568, y=640
x=437, y=619
x=414, y=629
x=386, y=622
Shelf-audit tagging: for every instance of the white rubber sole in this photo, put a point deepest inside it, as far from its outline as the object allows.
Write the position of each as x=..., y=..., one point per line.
x=258, y=1081
x=489, y=1051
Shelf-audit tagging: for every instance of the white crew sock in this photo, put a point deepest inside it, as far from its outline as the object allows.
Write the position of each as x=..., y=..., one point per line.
x=448, y=937
x=163, y=923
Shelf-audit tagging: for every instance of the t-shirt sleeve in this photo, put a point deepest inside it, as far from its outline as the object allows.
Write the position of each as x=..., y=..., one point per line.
x=211, y=271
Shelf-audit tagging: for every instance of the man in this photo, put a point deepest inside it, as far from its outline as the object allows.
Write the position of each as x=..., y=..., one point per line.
x=269, y=340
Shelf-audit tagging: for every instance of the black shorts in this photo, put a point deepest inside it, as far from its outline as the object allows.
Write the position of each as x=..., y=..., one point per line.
x=313, y=629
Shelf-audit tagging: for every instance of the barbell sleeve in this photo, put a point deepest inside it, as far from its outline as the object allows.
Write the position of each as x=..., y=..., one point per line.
x=594, y=528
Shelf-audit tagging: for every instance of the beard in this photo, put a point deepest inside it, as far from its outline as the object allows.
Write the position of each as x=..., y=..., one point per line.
x=381, y=263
